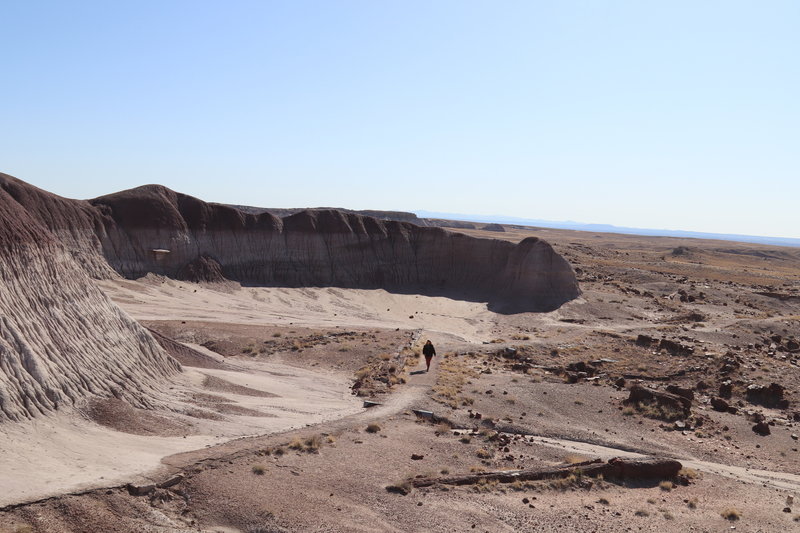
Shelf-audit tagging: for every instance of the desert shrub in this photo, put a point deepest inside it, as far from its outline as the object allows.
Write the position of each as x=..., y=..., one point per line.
x=373, y=428
x=564, y=483
x=642, y=513
x=402, y=487
x=310, y=444
x=259, y=470
x=731, y=513
x=483, y=453
x=666, y=486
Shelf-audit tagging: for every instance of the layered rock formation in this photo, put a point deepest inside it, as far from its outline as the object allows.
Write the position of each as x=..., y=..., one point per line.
x=154, y=229
x=158, y=230
x=61, y=339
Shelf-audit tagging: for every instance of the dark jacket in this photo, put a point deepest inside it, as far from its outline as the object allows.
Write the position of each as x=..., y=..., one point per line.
x=428, y=350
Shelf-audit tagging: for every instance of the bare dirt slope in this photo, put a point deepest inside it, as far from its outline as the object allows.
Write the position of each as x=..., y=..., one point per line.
x=715, y=322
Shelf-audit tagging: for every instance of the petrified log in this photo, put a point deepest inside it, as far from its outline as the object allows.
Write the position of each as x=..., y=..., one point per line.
x=639, y=394
x=618, y=468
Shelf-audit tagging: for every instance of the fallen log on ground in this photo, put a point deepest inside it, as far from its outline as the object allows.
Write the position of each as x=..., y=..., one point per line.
x=617, y=468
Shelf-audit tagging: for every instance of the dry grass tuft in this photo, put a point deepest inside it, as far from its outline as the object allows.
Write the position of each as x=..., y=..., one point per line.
x=402, y=487
x=373, y=428
x=731, y=513
x=454, y=373
x=308, y=445
x=259, y=470
x=483, y=453
x=666, y=486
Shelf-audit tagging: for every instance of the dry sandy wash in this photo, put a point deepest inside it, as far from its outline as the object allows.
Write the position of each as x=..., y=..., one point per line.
x=229, y=402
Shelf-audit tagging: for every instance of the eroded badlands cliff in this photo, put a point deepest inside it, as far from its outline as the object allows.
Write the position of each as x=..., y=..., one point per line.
x=61, y=339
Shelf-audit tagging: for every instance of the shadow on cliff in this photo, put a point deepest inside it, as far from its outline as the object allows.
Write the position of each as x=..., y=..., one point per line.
x=152, y=229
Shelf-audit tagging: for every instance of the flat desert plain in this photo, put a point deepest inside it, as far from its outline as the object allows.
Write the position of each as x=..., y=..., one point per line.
x=310, y=409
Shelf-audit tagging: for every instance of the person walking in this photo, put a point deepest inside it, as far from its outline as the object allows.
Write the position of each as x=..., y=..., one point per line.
x=428, y=351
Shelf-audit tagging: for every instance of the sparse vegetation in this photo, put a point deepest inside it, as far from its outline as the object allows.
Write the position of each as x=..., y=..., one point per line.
x=310, y=444
x=642, y=513
x=402, y=487
x=373, y=428
x=666, y=486
x=483, y=453
x=731, y=513
x=259, y=470
x=454, y=373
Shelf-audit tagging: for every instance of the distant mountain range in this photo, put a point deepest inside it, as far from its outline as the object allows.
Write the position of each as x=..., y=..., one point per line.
x=608, y=228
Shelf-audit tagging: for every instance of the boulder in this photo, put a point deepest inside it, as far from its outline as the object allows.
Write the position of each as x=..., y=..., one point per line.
x=645, y=340
x=681, y=391
x=718, y=404
x=770, y=396
x=761, y=428
x=675, y=348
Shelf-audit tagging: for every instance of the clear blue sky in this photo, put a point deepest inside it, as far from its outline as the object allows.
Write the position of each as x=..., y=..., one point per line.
x=672, y=114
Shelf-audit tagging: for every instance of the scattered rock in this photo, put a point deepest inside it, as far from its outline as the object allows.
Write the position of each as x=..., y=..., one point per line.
x=718, y=404
x=645, y=340
x=761, y=428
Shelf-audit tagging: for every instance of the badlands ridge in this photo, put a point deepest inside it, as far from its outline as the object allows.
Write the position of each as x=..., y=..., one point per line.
x=62, y=340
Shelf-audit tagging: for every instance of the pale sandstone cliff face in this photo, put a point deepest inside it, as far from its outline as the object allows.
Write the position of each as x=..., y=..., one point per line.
x=61, y=339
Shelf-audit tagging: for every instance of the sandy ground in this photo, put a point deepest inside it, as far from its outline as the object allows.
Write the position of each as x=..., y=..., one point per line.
x=159, y=299
x=303, y=347
x=68, y=452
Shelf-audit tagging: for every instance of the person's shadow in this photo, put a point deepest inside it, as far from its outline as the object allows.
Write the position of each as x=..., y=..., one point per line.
x=414, y=373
